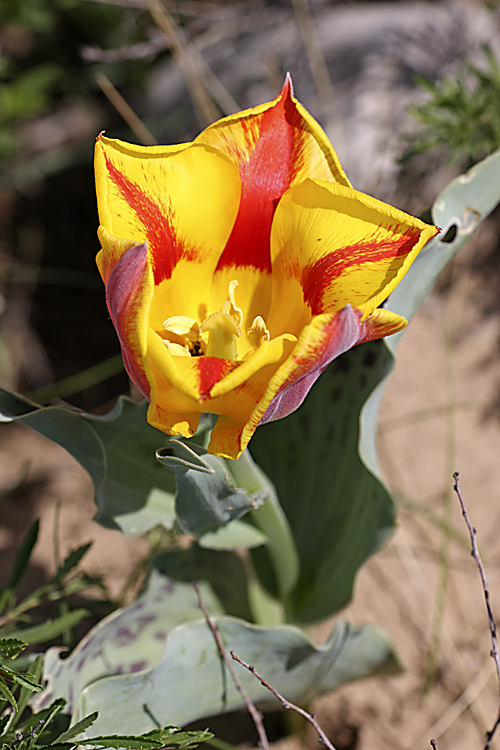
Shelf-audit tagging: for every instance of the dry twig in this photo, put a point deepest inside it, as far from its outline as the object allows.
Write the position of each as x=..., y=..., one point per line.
x=491, y=619
x=140, y=51
x=254, y=713
x=287, y=704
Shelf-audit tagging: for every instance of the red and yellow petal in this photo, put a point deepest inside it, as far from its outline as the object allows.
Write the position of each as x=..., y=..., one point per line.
x=182, y=200
x=274, y=146
x=326, y=338
x=179, y=386
x=112, y=249
x=182, y=388
x=333, y=246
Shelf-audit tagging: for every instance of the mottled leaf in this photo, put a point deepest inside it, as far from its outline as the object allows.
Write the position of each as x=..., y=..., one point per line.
x=129, y=640
x=158, y=659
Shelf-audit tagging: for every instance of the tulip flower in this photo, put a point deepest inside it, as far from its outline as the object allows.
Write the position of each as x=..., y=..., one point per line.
x=238, y=266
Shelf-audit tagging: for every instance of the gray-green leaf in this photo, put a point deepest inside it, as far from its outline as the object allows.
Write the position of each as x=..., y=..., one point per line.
x=206, y=498
x=323, y=459
x=159, y=649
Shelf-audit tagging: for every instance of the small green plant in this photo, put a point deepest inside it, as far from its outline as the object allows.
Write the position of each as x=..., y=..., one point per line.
x=462, y=113
x=21, y=729
x=16, y=622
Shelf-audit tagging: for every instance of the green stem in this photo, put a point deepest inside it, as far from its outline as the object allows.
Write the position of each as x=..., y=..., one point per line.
x=265, y=609
x=271, y=520
x=219, y=744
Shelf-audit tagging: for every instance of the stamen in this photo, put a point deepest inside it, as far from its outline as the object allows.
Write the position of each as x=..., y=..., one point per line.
x=257, y=333
x=183, y=325
x=183, y=336
x=176, y=349
x=230, y=307
x=222, y=328
x=223, y=331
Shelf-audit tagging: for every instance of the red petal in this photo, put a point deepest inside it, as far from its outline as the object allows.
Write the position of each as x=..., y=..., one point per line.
x=270, y=169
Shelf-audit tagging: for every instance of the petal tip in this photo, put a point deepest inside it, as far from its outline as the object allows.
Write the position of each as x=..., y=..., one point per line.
x=287, y=90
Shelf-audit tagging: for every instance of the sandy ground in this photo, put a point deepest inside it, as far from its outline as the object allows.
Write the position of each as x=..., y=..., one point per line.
x=434, y=421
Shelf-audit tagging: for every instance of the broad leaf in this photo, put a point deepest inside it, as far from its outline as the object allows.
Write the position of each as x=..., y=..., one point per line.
x=236, y=535
x=156, y=660
x=223, y=570
x=190, y=683
x=323, y=459
x=339, y=512
x=133, y=493
x=129, y=640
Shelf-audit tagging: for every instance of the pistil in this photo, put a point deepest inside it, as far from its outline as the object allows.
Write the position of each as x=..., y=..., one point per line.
x=223, y=328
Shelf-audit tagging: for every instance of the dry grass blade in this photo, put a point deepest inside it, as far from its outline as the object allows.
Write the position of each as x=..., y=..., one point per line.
x=462, y=703
x=200, y=80
x=125, y=110
x=319, y=69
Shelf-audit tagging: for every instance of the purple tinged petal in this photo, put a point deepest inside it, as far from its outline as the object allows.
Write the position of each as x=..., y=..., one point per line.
x=124, y=300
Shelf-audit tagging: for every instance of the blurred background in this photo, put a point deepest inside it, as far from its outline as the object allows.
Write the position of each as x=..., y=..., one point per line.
x=409, y=94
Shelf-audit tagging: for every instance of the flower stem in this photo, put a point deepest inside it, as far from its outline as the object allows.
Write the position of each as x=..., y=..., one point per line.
x=271, y=520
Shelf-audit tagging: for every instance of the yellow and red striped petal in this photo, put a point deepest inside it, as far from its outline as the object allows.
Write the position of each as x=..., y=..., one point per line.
x=332, y=246
x=274, y=146
x=182, y=200
x=326, y=338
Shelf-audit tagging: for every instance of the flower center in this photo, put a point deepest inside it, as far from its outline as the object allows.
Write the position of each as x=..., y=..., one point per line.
x=217, y=335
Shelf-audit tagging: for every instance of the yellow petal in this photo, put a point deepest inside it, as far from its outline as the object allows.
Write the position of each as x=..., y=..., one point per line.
x=333, y=246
